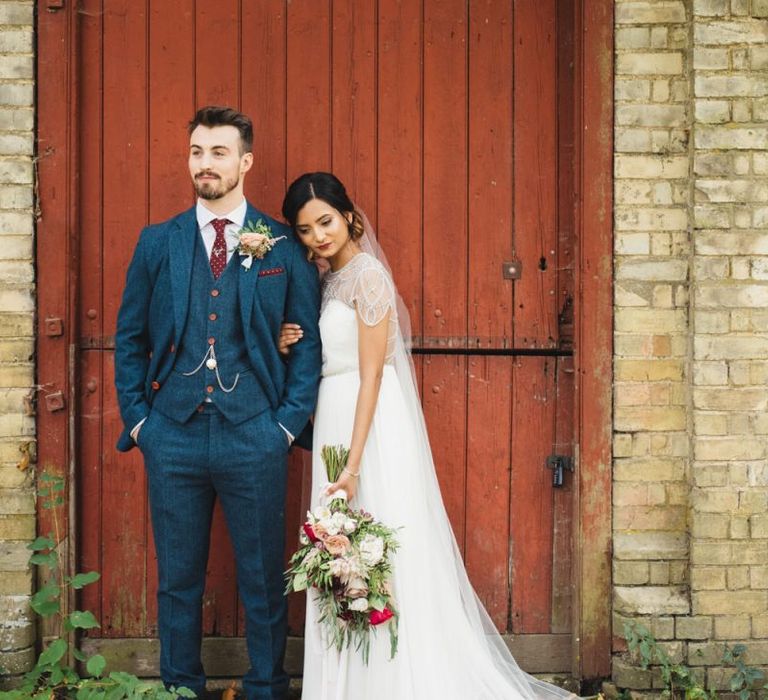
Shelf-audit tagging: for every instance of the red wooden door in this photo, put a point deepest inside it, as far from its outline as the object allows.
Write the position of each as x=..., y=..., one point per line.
x=451, y=122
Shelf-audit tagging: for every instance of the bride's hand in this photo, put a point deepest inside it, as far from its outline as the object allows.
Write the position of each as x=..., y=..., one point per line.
x=290, y=333
x=347, y=482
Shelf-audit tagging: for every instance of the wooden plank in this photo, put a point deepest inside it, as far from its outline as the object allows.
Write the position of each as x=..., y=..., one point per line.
x=533, y=405
x=89, y=522
x=535, y=160
x=171, y=75
x=55, y=175
x=124, y=520
x=563, y=541
x=488, y=465
x=295, y=512
x=217, y=53
x=228, y=658
x=90, y=260
x=308, y=118
x=594, y=318
x=263, y=88
x=444, y=296
x=445, y=412
x=125, y=211
x=171, y=103
x=399, y=157
x=353, y=119
x=489, y=322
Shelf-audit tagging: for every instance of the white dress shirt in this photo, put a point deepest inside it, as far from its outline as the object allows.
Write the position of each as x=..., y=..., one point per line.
x=204, y=218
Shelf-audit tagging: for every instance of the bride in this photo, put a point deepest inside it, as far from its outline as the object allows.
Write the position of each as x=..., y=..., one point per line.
x=448, y=647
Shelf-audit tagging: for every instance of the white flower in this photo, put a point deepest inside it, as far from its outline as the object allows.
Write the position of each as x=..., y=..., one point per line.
x=371, y=549
x=359, y=604
x=321, y=513
x=349, y=526
x=340, y=568
x=336, y=523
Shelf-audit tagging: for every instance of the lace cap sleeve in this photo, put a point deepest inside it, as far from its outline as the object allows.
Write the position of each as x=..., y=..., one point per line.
x=373, y=293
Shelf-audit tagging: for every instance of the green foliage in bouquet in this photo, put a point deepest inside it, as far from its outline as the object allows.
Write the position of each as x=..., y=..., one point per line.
x=52, y=678
x=335, y=458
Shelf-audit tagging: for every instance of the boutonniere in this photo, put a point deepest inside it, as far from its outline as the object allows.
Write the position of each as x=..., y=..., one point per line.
x=256, y=240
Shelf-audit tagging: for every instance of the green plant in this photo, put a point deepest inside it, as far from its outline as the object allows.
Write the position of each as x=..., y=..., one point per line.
x=51, y=678
x=745, y=677
x=677, y=677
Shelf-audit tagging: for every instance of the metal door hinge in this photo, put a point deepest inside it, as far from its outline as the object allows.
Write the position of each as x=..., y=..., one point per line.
x=559, y=463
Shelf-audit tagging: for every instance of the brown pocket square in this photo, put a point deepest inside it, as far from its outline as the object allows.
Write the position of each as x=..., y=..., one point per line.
x=271, y=271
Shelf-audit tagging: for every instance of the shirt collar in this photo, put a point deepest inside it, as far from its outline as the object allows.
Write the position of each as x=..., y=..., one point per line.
x=205, y=215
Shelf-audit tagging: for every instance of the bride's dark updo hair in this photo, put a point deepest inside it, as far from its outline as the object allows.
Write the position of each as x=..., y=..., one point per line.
x=328, y=188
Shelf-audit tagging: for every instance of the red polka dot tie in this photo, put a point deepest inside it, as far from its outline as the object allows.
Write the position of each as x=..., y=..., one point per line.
x=219, y=250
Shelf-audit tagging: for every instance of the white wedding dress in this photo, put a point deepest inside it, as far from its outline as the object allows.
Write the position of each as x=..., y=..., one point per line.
x=448, y=646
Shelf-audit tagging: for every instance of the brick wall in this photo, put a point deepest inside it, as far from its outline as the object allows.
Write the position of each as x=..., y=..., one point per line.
x=17, y=519
x=691, y=355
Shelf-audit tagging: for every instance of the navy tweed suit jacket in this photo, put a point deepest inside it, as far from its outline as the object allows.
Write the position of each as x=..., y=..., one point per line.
x=154, y=309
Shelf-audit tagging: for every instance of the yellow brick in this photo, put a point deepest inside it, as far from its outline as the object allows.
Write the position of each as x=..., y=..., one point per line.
x=650, y=418
x=707, y=578
x=738, y=577
x=650, y=320
x=648, y=370
x=650, y=63
x=649, y=469
x=725, y=448
x=732, y=627
x=758, y=577
x=710, y=526
x=17, y=527
x=729, y=602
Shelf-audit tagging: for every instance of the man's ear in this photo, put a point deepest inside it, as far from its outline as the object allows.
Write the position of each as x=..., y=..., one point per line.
x=246, y=162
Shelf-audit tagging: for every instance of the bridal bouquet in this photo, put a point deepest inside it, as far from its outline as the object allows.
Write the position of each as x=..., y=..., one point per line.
x=345, y=557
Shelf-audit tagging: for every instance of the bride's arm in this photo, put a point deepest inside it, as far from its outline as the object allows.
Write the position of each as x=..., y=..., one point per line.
x=372, y=351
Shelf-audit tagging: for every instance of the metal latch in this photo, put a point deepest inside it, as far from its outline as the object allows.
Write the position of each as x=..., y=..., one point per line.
x=559, y=463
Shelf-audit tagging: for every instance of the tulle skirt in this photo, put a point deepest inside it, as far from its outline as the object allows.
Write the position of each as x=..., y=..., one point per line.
x=448, y=648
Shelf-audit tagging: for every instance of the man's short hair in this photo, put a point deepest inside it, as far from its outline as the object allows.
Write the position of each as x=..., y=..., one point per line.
x=225, y=116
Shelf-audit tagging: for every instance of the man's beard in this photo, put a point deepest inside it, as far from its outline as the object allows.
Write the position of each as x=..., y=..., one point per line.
x=215, y=190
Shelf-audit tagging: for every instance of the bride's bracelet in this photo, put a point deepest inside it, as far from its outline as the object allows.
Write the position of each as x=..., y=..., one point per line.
x=354, y=474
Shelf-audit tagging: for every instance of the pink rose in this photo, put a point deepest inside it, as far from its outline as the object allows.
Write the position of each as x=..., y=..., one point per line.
x=252, y=240
x=337, y=544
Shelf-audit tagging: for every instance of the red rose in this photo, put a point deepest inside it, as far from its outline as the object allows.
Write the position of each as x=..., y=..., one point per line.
x=309, y=532
x=376, y=617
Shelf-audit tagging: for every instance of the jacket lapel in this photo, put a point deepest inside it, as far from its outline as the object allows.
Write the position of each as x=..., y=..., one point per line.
x=249, y=278
x=181, y=249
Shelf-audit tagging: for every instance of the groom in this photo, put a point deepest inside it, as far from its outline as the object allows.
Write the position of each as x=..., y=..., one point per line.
x=214, y=409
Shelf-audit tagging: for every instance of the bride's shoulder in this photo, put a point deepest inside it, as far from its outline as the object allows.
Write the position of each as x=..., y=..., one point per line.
x=367, y=263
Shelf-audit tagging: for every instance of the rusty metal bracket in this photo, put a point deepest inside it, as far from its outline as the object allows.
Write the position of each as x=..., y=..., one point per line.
x=55, y=401
x=512, y=269
x=54, y=327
